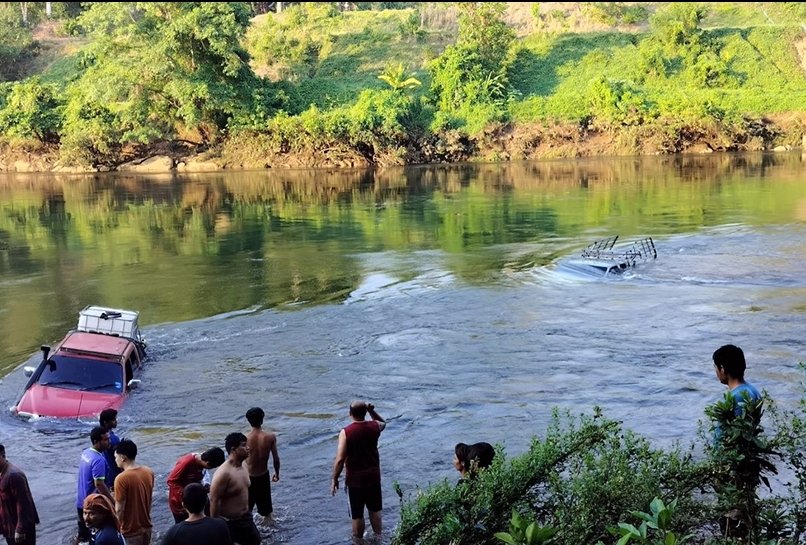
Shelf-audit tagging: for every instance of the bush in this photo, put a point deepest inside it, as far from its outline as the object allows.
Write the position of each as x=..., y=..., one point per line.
x=615, y=13
x=31, y=110
x=583, y=476
x=615, y=102
x=469, y=81
x=379, y=121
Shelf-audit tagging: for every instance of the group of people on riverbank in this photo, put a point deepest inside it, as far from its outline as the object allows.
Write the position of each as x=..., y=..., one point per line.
x=113, y=499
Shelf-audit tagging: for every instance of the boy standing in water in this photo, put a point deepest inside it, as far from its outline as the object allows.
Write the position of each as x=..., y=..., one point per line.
x=261, y=444
x=729, y=365
x=229, y=492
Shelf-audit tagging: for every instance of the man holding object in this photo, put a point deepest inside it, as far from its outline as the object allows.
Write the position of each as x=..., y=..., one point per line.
x=358, y=451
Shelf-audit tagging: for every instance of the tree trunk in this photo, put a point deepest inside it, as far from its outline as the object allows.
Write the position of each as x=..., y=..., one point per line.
x=24, y=10
x=260, y=8
x=49, y=9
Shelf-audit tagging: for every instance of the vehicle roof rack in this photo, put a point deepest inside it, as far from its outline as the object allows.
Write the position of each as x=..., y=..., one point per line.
x=110, y=321
x=603, y=255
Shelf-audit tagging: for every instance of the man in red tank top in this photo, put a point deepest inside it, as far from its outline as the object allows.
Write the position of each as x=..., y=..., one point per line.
x=358, y=451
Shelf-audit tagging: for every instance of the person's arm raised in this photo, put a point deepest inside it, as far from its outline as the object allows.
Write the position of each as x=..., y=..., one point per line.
x=375, y=416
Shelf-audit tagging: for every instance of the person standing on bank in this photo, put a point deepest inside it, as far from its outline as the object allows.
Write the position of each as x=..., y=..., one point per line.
x=92, y=477
x=358, y=452
x=18, y=516
x=261, y=444
x=730, y=365
x=134, y=489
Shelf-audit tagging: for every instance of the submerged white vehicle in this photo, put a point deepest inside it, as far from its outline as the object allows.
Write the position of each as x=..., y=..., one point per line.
x=603, y=256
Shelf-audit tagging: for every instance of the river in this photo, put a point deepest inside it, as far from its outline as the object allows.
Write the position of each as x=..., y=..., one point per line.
x=446, y=295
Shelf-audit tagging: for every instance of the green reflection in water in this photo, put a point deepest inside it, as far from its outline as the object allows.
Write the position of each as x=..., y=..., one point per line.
x=184, y=247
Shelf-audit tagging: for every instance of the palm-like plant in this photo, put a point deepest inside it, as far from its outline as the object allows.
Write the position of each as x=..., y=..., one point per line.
x=395, y=76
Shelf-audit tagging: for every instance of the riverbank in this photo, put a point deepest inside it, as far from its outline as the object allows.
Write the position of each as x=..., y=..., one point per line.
x=502, y=142
x=356, y=89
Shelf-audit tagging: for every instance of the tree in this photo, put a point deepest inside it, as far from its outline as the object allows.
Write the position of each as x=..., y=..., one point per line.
x=159, y=69
x=482, y=28
x=24, y=12
x=31, y=111
x=473, y=71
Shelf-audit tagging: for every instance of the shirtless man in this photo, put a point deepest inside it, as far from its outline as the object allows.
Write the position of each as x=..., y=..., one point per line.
x=229, y=492
x=261, y=444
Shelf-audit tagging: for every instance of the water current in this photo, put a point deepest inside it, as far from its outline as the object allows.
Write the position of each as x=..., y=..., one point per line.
x=455, y=304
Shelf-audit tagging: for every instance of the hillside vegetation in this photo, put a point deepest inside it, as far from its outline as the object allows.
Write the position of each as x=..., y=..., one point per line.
x=314, y=86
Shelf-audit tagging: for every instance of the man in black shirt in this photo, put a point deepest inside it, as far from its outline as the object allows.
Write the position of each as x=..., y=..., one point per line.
x=197, y=529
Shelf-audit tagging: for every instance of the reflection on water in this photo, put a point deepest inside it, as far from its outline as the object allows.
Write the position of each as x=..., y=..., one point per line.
x=184, y=247
x=445, y=295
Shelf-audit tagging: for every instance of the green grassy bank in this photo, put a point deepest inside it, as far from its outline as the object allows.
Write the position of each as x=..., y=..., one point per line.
x=399, y=83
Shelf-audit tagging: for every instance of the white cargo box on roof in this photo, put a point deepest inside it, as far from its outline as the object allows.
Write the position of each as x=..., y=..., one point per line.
x=111, y=321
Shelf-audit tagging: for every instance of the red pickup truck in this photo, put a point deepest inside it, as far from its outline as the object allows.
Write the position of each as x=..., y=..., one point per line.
x=93, y=368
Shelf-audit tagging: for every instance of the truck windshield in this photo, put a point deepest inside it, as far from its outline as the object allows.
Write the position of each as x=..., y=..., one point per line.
x=77, y=373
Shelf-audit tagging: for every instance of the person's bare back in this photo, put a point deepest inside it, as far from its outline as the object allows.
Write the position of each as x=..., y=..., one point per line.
x=262, y=444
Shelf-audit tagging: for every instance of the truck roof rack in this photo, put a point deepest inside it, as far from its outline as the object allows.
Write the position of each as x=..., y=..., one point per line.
x=111, y=321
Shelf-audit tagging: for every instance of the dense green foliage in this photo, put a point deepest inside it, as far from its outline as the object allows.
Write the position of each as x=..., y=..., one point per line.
x=15, y=40
x=206, y=72
x=469, y=80
x=580, y=478
x=30, y=110
x=160, y=71
x=587, y=480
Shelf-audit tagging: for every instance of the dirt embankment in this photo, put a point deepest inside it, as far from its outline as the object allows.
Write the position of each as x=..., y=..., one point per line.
x=499, y=143
x=532, y=141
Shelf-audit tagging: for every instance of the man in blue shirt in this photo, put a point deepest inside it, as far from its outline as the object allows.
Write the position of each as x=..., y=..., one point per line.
x=108, y=420
x=91, y=476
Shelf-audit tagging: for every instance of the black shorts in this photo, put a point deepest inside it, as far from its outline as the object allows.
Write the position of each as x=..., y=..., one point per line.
x=243, y=530
x=260, y=494
x=369, y=497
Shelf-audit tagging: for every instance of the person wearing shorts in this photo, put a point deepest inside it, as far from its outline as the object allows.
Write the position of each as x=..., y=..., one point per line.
x=229, y=492
x=262, y=446
x=365, y=496
x=358, y=452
